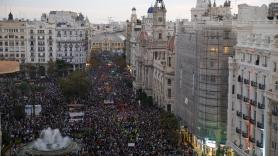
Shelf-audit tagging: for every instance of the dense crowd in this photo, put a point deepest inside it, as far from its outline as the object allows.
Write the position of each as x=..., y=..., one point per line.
x=121, y=127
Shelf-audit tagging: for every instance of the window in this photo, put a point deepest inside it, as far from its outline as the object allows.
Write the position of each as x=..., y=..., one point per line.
x=169, y=93
x=159, y=36
x=258, y=60
x=274, y=67
x=169, y=82
x=233, y=89
x=276, y=85
x=169, y=61
x=1, y=43
x=226, y=50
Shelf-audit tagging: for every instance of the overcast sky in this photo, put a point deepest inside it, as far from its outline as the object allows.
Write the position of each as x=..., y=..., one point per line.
x=98, y=11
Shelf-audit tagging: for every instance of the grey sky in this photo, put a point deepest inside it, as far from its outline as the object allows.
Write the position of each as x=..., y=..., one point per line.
x=99, y=10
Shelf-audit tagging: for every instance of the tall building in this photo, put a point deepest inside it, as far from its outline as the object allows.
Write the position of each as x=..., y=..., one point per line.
x=203, y=47
x=71, y=37
x=252, y=113
x=151, y=57
x=59, y=35
x=113, y=42
x=134, y=27
x=41, y=42
x=13, y=39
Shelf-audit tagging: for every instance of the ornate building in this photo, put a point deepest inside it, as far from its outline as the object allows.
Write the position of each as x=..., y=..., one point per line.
x=152, y=57
x=252, y=111
x=113, y=42
x=13, y=39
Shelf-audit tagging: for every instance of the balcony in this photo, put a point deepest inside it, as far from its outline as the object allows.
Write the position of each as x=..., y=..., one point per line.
x=239, y=96
x=262, y=86
x=261, y=106
x=245, y=117
x=238, y=130
x=252, y=121
x=246, y=99
x=260, y=125
x=253, y=103
x=246, y=81
x=245, y=135
x=275, y=113
x=252, y=140
x=254, y=84
x=239, y=114
x=260, y=144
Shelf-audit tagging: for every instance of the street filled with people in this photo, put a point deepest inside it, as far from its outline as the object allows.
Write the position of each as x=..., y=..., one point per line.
x=114, y=122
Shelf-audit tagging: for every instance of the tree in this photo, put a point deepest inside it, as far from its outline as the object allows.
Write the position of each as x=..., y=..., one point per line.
x=25, y=88
x=62, y=67
x=51, y=68
x=32, y=70
x=170, y=124
x=75, y=85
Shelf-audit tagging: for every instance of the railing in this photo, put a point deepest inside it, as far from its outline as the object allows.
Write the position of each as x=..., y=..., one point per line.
x=252, y=140
x=239, y=96
x=239, y=114
x=245, y=135
x=261, y=106
x=262, y=86
x=260, y=144
x=260, y=125
x=238, y=130
x=246, y=81
x=254, y=84
x=246, y=99
x=253, y=103
x=252, y=121
x=245, y=117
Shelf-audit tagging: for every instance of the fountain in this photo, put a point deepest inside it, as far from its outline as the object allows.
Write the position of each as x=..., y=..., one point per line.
x=50, y=142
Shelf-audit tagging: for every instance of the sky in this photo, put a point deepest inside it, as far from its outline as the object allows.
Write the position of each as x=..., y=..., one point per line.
x=98, y=11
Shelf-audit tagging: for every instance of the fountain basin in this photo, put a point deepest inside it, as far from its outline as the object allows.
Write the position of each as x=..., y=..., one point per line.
x=50, y=143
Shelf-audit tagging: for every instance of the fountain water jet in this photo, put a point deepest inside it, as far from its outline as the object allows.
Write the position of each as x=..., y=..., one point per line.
x=50, y=142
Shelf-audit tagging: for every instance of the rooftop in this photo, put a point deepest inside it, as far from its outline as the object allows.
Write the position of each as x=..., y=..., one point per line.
x=7, y=67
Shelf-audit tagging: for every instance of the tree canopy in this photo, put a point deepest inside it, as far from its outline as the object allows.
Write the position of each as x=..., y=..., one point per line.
x=75, y=85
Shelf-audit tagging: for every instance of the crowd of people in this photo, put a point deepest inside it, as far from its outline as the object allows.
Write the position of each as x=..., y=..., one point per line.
x=119, y=127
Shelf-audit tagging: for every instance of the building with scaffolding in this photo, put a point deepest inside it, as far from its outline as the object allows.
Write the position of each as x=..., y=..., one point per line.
x=203, y=47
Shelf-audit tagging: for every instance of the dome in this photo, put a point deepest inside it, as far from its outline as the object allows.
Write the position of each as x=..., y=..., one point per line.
x=133, y=9
x=143, y=36
x=171, y=43
x=150, y=10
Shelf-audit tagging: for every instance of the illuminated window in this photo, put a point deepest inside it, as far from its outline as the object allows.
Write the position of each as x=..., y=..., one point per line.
x=226, y=50
x=213, y=50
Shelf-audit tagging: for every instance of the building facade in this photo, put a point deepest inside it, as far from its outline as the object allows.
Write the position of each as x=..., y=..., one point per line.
x=59, y=35
x=252, y=124
x=13, y=39
x=203, y=48
x=152, y=55
x=41, y=42
x=113, y=42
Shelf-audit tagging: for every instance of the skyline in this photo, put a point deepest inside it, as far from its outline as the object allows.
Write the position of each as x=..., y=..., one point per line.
x=99, y=11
